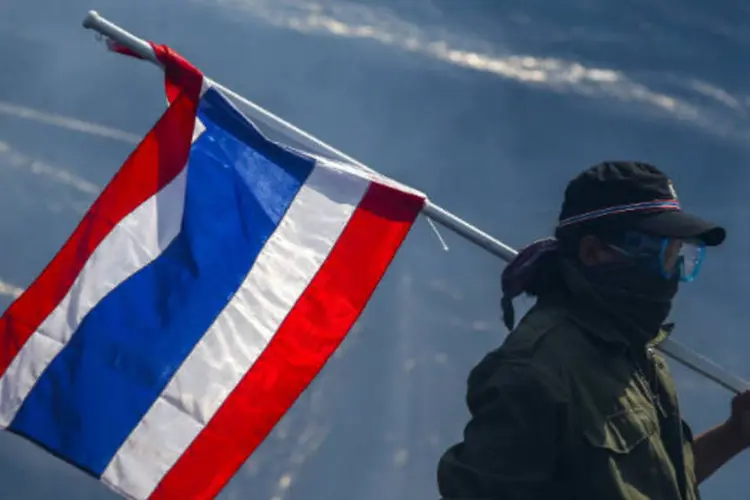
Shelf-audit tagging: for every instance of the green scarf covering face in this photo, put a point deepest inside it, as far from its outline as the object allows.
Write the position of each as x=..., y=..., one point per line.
x=634, y=296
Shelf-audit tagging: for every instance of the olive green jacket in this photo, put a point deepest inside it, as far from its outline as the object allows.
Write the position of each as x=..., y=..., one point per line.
x=568, y=408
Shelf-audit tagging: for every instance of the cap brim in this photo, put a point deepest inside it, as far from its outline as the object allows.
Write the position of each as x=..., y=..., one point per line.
x=678, y=224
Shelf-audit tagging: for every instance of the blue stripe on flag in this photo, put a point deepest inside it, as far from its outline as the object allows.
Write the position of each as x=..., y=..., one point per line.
x=128, y=347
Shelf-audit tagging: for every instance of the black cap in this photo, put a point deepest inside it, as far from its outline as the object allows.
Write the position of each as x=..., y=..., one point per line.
x=633, y=195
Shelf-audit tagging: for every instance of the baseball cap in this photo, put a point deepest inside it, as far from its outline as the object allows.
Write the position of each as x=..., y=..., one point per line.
x=633, y=196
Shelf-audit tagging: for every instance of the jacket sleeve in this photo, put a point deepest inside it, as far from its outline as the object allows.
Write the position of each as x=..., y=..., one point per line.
x=512, y=441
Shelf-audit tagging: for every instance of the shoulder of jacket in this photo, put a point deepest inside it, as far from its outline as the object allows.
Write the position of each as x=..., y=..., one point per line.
x=542, y=325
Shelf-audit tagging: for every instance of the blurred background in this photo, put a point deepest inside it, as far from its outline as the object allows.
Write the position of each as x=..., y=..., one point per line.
x=489, y=106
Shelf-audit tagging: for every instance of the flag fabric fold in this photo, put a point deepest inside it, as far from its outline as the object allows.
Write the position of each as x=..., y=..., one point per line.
x=201, y=293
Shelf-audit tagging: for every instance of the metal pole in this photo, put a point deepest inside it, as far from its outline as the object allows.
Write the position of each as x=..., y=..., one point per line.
x=669, y=346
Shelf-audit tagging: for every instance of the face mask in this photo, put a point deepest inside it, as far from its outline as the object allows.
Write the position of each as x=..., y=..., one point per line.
x=629, y=280
x=633, y=294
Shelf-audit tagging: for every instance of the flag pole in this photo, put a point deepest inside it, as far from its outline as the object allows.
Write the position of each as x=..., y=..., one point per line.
x=670, y=347
x=142, y=48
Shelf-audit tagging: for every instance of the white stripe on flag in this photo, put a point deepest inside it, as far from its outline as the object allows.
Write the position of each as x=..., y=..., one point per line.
x=132, y=244
x=286, y=265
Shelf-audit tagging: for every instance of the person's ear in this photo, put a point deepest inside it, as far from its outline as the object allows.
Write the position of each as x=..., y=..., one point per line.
x=591, y=251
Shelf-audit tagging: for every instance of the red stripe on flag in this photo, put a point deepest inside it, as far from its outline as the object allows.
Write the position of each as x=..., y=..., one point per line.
x=121, y=49
x=180, y=74
x=157, y=160
x=304, y=342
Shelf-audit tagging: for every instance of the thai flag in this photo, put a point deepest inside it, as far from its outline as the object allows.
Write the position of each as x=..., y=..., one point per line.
x=202, y=292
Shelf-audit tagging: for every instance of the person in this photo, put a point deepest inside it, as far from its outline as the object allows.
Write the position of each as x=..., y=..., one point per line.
x=576, y=403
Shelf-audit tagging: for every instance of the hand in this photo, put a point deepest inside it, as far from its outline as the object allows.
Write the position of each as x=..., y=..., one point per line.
x=739, y=421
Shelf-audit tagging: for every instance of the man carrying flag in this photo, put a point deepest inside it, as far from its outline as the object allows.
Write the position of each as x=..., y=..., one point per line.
x=576, y=404
x=202, y=292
